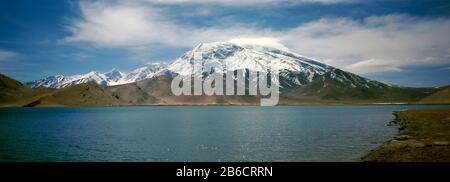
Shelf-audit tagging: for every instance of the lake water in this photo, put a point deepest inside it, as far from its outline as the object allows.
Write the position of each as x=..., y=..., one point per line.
x=325, y=133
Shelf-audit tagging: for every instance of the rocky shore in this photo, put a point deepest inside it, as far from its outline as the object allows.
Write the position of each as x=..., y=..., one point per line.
x=424, y=136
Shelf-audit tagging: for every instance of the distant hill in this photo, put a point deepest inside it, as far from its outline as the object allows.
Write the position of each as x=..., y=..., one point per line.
x=442, y=96
x=156, y=91
x=86, y=94
x=325, y=87
x=14, y=93
x=12, y=90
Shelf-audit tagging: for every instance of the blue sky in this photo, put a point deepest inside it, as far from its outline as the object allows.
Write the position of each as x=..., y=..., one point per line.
x=404, y=42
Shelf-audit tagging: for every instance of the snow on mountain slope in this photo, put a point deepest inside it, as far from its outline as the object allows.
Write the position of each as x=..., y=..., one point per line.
x=295, y=70
x=113, y=76
x=110, y=78
x=61, y=81
x=141, y=73
x=220, y=55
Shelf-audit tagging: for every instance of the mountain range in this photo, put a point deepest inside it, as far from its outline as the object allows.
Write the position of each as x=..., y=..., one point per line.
x=295, y=70
x=302, y=80
x=110, y=78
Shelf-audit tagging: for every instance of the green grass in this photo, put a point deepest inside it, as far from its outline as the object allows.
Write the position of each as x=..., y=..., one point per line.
x=440, y=97
x=327, y=88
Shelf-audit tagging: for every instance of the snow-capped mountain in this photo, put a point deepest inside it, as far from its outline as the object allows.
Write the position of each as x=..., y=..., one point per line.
x=113, y=76
x=61, y=81
x=110, y=78
x=220, y=55
x=295, y=70
x=142, y=73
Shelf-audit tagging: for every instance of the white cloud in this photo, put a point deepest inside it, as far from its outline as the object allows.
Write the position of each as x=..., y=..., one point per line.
x=6, y=55
x=131, y=25
x=120, y=25
x=374, y=44
x=262, y=41
x=373, y=65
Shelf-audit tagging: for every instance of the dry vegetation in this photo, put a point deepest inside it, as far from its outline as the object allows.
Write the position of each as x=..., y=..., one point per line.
x=424, y=137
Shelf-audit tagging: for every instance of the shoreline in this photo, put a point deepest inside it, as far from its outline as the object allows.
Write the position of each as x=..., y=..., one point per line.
x=232, y=105
x=423, y=136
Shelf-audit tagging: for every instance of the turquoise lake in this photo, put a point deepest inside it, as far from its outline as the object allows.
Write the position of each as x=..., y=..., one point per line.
x=170, y=133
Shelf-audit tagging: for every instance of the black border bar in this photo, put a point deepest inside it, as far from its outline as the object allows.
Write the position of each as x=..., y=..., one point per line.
x=168, y=170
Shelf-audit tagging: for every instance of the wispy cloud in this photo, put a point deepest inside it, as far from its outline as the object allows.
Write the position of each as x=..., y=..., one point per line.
x=6, y=55
x=132, y=24
x=262, y=41
x=373, y=65
x=374, y=44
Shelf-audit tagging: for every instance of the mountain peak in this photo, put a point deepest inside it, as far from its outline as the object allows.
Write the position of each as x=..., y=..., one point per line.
x=244, y=55
x=295, y=70
x=114, y=70
x=215, y=46
x=113, y=75
x=251, y=43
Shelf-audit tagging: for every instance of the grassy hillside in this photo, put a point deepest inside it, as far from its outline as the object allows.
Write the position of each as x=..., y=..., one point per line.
x=15, y=94
x=322, y=90
x=12, y=90
x=131, y=94
x=87, y=94
x=325, y=87
x=440, y=97
x=159, y=89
